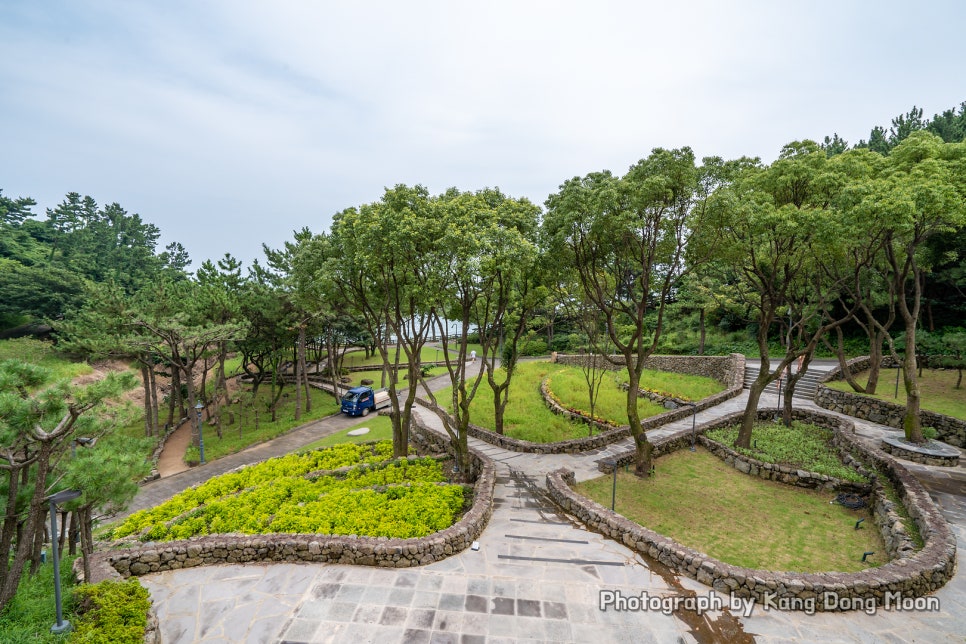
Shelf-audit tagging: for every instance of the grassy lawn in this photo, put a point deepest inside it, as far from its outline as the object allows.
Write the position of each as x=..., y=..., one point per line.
x=746, y=521
x=31, y=613
x=42, y=354
x=242, y=433
x=528, y=418
x=376, y=376
x=380, y=429
x=571, y=388
x=937, y=388
x=431, y=353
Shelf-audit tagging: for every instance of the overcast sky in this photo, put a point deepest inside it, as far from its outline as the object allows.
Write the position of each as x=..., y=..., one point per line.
x=229, y=124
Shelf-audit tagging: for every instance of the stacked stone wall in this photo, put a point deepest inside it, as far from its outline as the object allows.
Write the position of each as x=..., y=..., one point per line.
x=949, y=430
x=911, y=573
x=317, y=548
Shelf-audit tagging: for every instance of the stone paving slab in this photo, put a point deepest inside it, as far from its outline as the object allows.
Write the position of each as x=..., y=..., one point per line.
x=536, y=578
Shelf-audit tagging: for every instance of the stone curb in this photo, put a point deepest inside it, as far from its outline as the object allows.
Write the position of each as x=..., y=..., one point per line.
x=913, y=576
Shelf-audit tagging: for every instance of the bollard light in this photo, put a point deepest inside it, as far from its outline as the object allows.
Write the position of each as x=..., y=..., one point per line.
x=612, y=463
x=694, y=413
x=201, y=436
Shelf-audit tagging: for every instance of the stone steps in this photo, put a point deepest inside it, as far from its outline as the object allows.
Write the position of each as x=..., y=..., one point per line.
x=804, y=389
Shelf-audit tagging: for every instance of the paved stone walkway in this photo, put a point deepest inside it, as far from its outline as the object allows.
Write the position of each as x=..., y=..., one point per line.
x=536, y=577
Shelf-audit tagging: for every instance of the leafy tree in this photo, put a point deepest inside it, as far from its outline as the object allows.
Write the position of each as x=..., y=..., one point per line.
x=781, y=235
x=482, y=252
x=384, y=269
x=38, y=421
x=625, y=238
x=920, y=193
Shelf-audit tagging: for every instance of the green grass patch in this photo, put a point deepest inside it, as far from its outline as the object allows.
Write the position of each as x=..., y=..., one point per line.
x=43, y=354
x=701, y=502
x=528, y=418
x=937, y=388
x=242, y=433
x=570, y=387
x=380, y=429
x=804, y=446
x=428, y=354
x=32, y=611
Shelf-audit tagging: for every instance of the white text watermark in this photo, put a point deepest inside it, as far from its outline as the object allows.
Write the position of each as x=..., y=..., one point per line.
x=745, y=606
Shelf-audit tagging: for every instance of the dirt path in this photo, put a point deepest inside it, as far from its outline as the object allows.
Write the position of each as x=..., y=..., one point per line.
x=171, y=460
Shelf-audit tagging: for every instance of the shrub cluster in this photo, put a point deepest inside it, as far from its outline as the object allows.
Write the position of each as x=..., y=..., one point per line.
x=802, y=445
x=300, y=493
x=112, y=612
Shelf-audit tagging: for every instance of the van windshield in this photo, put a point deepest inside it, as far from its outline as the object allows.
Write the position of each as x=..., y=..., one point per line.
x=350, y=398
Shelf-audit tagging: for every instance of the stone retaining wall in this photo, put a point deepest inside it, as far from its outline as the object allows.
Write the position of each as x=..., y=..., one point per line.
x=914, y=574
x=731, y=370
x=949, y=430
x=365, y=551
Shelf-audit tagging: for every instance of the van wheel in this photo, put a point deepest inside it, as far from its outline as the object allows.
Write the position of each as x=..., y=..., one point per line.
x=365, y=412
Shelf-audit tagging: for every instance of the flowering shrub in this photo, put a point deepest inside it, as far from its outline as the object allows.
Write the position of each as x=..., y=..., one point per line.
x=377, y=497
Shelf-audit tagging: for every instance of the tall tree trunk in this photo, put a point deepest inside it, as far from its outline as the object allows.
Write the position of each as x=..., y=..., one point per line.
x=643, y=449
x=155, y=405
x=33, y=524
x=839, y=350
x=304, y=369
x=911, y=423
x=149, y=428
x=74, y=535
x=298, y=375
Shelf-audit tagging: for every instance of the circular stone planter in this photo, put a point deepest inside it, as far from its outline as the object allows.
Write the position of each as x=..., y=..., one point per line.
x=932, y=453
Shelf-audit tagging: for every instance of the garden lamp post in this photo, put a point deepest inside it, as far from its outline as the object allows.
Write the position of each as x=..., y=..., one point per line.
x=778, y=410
x=694, y=413
x=62, y=625
x=80, y=440
x=613, y=494
x=201, y=436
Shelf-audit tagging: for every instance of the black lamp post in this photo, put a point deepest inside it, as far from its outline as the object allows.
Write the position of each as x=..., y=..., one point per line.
x=62, y=625
x=80, y=440
x=778, y=410
x=694, y=413
x=613, y=494
x=201, y=435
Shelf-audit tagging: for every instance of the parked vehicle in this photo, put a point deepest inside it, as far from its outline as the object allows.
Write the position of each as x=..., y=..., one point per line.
x=359, y=401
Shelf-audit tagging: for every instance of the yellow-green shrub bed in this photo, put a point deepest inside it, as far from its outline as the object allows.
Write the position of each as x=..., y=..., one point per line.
x=299, y=493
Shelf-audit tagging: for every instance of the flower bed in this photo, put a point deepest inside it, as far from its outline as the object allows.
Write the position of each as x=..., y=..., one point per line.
x=351, y=549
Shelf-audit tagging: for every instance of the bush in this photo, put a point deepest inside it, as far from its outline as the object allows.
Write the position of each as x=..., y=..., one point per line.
x=112, y=612
x=802, y=445
x=534, y=347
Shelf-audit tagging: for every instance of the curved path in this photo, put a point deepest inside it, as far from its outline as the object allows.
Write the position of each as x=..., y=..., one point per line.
x=536, y=577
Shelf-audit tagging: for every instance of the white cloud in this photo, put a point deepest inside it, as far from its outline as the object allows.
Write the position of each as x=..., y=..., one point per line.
x=242, y=121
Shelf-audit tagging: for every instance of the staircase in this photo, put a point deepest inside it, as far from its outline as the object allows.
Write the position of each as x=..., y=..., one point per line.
x=804, y=388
